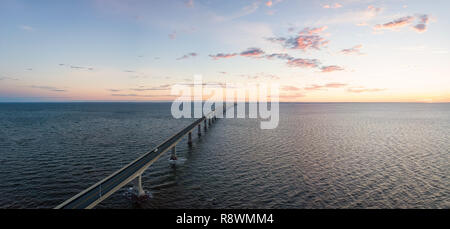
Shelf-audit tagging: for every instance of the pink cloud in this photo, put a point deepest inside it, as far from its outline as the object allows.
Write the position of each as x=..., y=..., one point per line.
x=269, y=3
x=325, y=86
x=335, y=85
x=303, y=63
x=354, y=50
x=192, y=54
x=311, y=31
x=282, y=56
x=308, y=42
x=423, y=21
x=223, y=55
x=308, y=38
x=398, y=23
x=290, y=60
x=331, y=68
x=290, y=88
x=420, y=28
x=314, y=87
x=252, y=52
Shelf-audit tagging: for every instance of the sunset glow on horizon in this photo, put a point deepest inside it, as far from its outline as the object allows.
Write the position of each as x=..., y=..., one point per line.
x=135, y=50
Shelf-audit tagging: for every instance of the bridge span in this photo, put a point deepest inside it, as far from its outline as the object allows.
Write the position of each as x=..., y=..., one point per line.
x=98, y=192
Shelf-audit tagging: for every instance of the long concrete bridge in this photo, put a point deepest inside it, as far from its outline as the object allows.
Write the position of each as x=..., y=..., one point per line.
x=98, y=192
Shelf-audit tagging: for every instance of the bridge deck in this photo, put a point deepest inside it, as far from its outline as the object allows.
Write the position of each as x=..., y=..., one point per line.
x=104, y=188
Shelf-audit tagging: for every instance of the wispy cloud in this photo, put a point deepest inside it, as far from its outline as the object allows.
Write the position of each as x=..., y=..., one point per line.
x=207, y=84
x=353, y=50
x=244, y=11
x=261, y=76
x=295, y=62
x=423, y=21
x=290, y=60
x=282, y=56
x=290, y=88
x=308, y=38
x=223, y=56
x=48, y=88
x=292, y=96
x=332, y=6
x=8, y=78
x=186, y=56
x=303, y=63
x=420, y=26
x=125, y=95
x=249, y=9
x=189, y=3
x=358, y=16
x=159, y=88
x=26, y=28
x=299, y=62
x=77, y=67
x=252, y=52
x=173, y=35
x=398, y=23
x=325, y=86
x=363, y=90
x=331, y=68
x=141, y=96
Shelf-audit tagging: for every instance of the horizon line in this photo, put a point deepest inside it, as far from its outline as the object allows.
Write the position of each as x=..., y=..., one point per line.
x=133, y=101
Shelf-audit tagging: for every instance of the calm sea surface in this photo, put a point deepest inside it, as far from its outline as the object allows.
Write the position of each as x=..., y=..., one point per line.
x=338, y=155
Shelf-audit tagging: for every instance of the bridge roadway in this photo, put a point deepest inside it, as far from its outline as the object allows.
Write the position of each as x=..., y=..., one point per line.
x=98, y=192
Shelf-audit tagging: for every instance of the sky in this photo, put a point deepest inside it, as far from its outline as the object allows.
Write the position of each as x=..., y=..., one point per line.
x=135, y=50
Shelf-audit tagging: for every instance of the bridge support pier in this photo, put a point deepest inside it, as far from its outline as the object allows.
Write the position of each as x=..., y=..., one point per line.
x=190, y=139
x=199, y=130
x=141, y=191
x=173, y=156
x=205, y=124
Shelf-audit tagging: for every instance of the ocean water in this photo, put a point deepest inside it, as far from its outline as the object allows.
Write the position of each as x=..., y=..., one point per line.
x=322, y=155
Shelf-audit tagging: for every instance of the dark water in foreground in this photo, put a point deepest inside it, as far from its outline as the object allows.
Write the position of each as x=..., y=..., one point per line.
x=320, y=156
